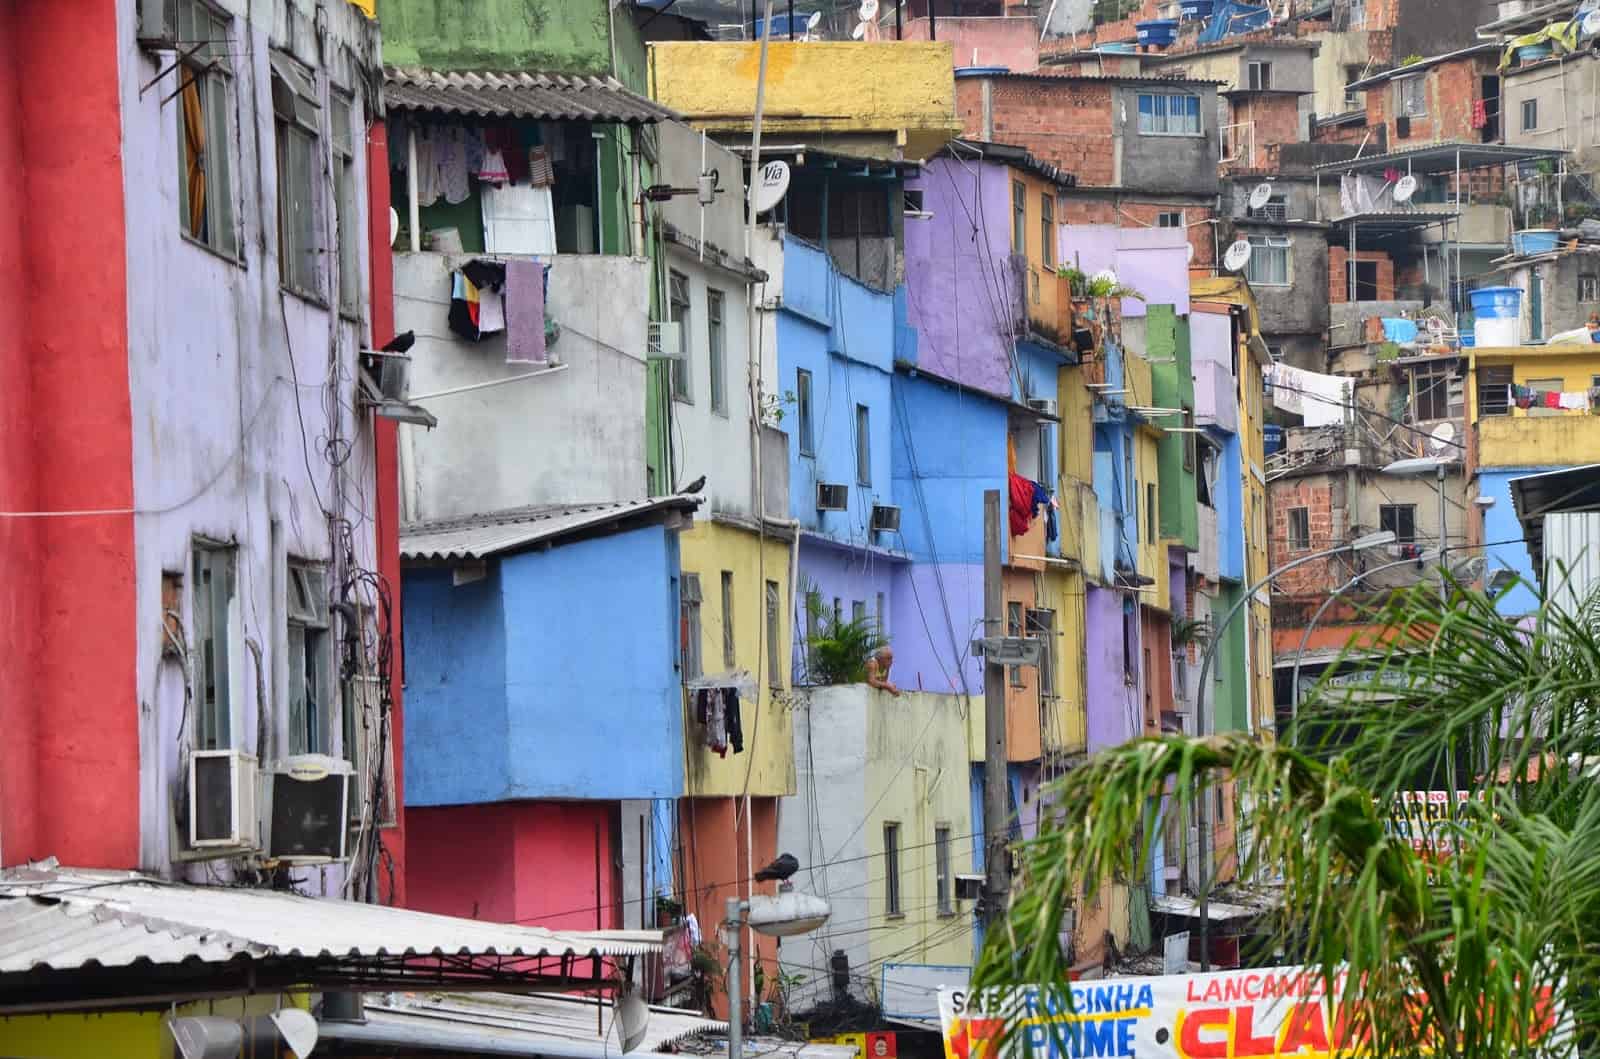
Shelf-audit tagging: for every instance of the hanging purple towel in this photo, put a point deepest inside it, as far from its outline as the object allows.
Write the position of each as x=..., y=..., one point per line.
x=524, y=312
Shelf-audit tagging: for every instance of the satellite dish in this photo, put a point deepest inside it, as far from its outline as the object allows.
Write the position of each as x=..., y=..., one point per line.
x=298, y=1029
x=632, y=1018
x=1190, y=249
x=859, y=32
x=771, y=184
x=394, y=225
x=869, y=10
x=1237, y=256
x=814, y=21
x=1404, y=188
x=207, y=1037
x=1590, y=26
x=1259, y=195
x=1440, y=438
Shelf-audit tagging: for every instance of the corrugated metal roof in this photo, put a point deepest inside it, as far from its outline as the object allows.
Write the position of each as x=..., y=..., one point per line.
x=535, y=96
x=70, y=919
x=532, y=1022
x=482, y=536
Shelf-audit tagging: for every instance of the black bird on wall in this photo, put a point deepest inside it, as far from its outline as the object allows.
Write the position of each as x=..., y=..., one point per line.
x=694, y=486
x=778, y=870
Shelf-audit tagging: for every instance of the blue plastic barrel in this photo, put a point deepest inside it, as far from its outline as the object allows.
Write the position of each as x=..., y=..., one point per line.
x=1158, y=32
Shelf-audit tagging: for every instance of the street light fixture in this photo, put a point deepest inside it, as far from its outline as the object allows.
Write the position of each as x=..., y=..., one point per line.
x=1416, y=468
x=786, y=915
x=1360, y=544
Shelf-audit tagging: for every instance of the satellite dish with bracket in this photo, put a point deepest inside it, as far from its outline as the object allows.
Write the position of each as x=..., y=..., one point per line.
x=394, y=225
x=632, y=1018
x=867, y=28
x=1190, y=253
x=811, y=26
x=771, y=184
x=1237, y=255
x=1442, y=437
x=1404, y=188
x=1260, y=195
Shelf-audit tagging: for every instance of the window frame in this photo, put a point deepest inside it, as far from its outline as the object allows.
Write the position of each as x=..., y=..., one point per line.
x=1527, y=108
x=302, y=269
x=1047, y=225
x=805, y=411
x=1016, y=618
x=210, y=70
x=716, y=349
x=346, y=203
x=1275, y=243
x=680, y=310
x=1442, y=392
x=1547, y=385
x=1492, y=378
x=943, y=877
x=1411, y=92
x=308, y=643
x=774, y=601
x=1019, y=218
x=1297, y=521
x=1150, y=512
x=214, y=647
x=863, y=445
x=1149, y=120
x=1258, y=73
x=1041, y=624
x=690, y=659
x=1169, y=219
x=893, y=908
x=730, y=658
x=1391, y=517
x=1589, y=287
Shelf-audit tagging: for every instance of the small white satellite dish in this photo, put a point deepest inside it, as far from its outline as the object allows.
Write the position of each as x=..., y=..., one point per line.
x=814, y=21
x=298, y=1029
x=869, y=10
x=1404, y=188
x=1259, y=195
x=206, y=1037
x=1190, y=255
x=1440, y=438
x=394, y=225
x=632, y=1017
x=1237, y=256
x=771, y=184
x=1590, y=26
x=859, y=32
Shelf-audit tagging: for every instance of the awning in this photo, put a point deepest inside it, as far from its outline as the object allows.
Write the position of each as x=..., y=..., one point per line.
x=1442, y=158
x=533, y=96
x=501, y=532
x=557, y=1027
x=1216, y=911
x=76, y=938
x=1383, y=224
x=1534, y=496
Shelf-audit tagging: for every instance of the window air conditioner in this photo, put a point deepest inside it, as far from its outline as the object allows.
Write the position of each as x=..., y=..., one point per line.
x=885, y=518
x=664, y=341
x=832, y=497
x=158, y=25
x=222, y=800
x=305, y=816
x=1046, y=405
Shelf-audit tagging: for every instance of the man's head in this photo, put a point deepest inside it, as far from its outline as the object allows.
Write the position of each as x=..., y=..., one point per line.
x=884, y=656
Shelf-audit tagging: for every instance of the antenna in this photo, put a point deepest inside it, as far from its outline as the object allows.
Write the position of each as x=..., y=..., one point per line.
x=1237, y=256
x=1404, y=188
x=1259, y=195
x=771, y=185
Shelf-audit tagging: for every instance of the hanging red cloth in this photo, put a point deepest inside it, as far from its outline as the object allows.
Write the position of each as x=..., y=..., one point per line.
x=1480, y=113
x=1021, y=497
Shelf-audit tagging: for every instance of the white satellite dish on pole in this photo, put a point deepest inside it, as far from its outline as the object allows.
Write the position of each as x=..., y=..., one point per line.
x=1237, y=256
x=1440, y=438
x=1190, y=253
x=1260, y=195
x=1404, y=188
x=772, y=182
x=811, y=26
x=632, y=1018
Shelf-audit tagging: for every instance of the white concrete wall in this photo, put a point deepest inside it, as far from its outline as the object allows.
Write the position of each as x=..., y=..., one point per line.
x=573, y=436
x=1568, y=94
x=232, y=383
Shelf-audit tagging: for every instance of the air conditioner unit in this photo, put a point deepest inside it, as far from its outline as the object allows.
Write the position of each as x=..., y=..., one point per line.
x=832, y=496
x=1046, y=405
x=222, y=800
x=969, y=887
x=158, y=25
x=664, y=340
x=305, y=813
x=885, y=518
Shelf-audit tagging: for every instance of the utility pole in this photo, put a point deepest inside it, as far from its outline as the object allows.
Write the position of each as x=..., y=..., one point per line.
x=996, y=815
x=733, y=927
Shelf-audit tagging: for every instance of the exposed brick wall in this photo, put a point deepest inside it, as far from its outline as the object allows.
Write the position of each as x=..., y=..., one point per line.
x=1118, y=32
x=1451, y=89
x=1106, y=209
x=1277, y=121
x=1066, y=122
x=1338, y=262
x=1346, y=134
x=1316, y=495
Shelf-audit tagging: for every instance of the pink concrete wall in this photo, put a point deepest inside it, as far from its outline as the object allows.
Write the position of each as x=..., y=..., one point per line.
x=1009, y=42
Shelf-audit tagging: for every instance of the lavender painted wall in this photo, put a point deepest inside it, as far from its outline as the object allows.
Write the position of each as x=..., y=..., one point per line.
x=953, y=276
x=1114, y=706
x=923, y=653
x=848, y=576
x=1153, y=261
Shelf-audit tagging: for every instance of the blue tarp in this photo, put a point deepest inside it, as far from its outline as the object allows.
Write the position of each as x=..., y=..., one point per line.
x=1231, y=18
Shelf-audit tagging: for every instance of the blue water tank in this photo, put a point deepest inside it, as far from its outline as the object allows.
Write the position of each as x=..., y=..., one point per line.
x=1272, y=436
x=1158, y=32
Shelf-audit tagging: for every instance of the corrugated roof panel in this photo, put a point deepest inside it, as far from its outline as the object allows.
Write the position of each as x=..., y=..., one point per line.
x=482, y=536
x=540, y=97
x=539, y=1017
x=68, y=920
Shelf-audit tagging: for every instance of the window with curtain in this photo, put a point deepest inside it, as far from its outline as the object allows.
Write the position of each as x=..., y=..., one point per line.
x=297, y=119
x=1164, y=114
x=205, y=87
x=1269, y=261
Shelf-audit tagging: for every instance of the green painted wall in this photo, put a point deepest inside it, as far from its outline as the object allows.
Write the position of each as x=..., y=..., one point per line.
x=551, y=36
x=1227, y=711
x=1167, y=337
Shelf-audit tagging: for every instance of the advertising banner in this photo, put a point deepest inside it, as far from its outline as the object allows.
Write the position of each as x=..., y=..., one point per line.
x=1270, y=1013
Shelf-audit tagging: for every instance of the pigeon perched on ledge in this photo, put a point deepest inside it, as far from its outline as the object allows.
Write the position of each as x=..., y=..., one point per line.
x=779, y=869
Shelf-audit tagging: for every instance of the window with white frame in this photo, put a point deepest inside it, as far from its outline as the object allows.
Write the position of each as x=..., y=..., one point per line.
x=1260, y=76
x=1530, y=115
x=205, y=107
x=715, y=344
x=1358, y=14
x=1047, y=229
x=1436, y=392
x=943, y=883
x=346, y=204
x=803, y=412
x=729, y=659
x=1169, y=114
x=1588, y=287
x=689, y=625
x=1411, y=97
x=1269, y=261
x=678, y=313
x=215, y=588
x=774, y=659
x=1169, y=219
x=310, y=659
x=891, y=870
x=297, y=119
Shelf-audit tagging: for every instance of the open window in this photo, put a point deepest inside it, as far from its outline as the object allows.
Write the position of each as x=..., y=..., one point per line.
x=215, y=648
x=310, y=652
x=205, y=95
x=297, y=120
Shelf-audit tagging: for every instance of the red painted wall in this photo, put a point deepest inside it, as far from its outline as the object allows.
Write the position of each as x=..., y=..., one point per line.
x=392, y=888
x=715, y=867
x=523, y=862
x=71, y=709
